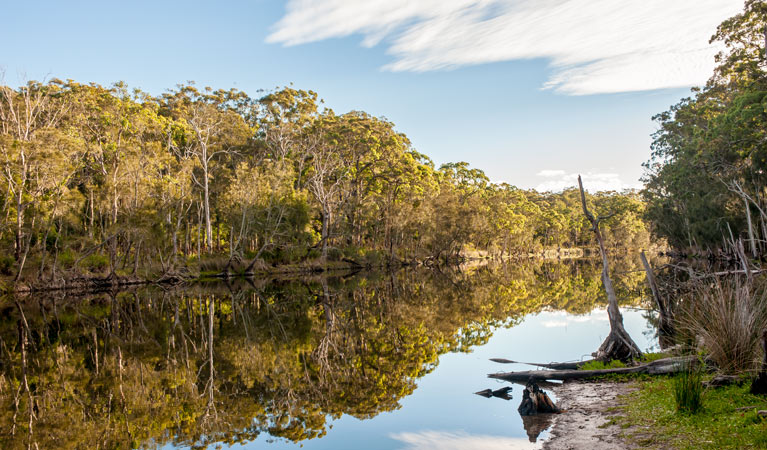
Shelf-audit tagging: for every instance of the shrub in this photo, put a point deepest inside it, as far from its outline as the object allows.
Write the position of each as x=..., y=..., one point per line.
x=688, y=391
x=335, y=254
x=66, y=258
x=726, y=320
x=6, y=265
x=96, y=262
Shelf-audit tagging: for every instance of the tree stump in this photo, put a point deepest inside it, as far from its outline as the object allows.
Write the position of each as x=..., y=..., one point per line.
x=536, y=401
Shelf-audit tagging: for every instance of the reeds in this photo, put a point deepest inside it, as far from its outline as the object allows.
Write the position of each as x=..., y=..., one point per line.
x=688, y=391
x=726, y=319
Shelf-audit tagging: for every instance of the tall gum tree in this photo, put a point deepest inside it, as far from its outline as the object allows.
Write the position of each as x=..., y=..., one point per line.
x=23, y=112
x=211, y=128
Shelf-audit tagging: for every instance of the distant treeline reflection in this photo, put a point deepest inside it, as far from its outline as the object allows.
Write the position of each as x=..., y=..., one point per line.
x=225, y=363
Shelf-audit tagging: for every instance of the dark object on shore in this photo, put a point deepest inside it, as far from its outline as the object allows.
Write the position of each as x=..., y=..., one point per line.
x=759, y=385
x=657, y=367
x=723, y=380
x=503, y=393
x=536, y=401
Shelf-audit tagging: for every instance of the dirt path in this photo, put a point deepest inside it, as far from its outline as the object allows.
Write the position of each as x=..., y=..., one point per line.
x=588, y=408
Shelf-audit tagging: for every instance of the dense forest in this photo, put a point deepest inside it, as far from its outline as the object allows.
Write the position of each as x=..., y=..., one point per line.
x=705, y=183
x=112, y=181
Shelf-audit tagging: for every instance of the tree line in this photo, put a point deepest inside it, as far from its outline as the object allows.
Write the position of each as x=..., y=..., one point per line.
x=114, y=180
x=705, y=182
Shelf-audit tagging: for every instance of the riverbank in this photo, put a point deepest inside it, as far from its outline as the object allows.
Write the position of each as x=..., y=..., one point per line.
x=589, y=420
x=642, y=414
x=217, y=267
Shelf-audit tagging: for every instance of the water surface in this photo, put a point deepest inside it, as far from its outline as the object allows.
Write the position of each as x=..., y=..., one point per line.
x=374, y=360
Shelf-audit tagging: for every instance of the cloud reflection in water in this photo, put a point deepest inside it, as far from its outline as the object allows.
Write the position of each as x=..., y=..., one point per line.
x=448, y=440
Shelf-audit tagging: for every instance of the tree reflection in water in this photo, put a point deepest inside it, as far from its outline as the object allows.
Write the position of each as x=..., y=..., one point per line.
x=225, y=363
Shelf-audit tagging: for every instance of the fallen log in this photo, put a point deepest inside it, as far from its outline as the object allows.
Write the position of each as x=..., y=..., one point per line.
x=724, y=380
x=556, y=366
x=658, y=367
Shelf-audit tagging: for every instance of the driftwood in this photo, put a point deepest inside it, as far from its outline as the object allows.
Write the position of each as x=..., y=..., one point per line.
x=724, y=380
x=503, y=393
x=618, y=344
x=658, y=367
x=536, y=401
x=555, y=366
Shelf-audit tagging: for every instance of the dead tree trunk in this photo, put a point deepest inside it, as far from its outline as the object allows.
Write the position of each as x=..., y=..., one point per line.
x=618, y=344
x=665, y=325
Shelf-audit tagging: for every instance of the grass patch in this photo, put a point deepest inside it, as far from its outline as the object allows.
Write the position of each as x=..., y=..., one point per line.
x=717, y=425
x=650, y=357
x=601, y=365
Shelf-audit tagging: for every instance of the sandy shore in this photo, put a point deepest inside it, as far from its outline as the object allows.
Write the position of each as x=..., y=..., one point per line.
x=589, y=407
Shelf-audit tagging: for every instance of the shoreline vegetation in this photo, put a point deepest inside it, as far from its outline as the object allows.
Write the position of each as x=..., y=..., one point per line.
x=110, y=182
x=233, y=271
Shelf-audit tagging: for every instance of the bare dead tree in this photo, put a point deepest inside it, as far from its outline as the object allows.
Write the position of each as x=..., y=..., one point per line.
x=618, y=344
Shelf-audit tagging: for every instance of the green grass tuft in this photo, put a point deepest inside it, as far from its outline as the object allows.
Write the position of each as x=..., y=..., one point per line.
x=688, y=391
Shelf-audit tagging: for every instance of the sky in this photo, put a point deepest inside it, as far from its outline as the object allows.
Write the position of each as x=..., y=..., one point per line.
x=533, y=92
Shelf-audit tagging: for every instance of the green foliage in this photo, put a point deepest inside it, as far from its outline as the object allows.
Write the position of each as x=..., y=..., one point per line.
x=707, y=175
x=197, y=172
x=650, y=357
x=6, y=265
x=95, y=262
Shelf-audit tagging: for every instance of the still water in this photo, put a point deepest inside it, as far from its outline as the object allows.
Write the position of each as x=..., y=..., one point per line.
x=373, y=360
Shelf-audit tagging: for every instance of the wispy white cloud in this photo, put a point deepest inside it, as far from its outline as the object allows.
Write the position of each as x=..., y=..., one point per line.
x=558, y=180
x=594, y=46
x=446, y=440
x=548, y=173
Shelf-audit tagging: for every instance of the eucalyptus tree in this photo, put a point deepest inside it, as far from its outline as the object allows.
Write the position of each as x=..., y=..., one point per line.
x=209, y=126
x=24, y=112
x=706, y=177
x=329, y=173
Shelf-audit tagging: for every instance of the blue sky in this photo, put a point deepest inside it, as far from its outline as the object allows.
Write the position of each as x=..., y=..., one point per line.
x=530, y=91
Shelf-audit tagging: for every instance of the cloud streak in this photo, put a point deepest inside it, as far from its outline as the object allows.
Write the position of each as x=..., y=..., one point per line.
x=593, y=46
x=559, y=180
